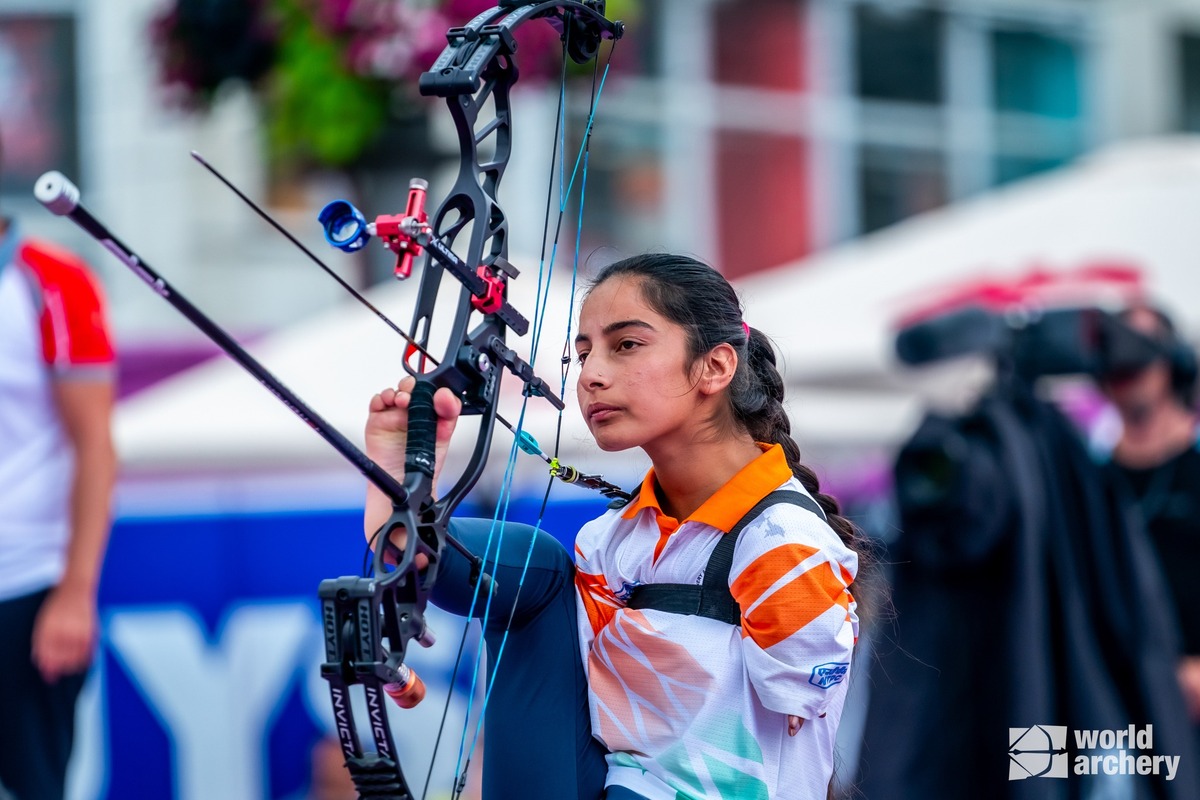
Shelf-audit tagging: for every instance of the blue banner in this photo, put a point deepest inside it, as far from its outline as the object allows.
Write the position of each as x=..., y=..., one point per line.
x=207, y=682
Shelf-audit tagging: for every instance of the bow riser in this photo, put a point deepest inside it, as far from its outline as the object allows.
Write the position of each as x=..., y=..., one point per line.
x=470, y=202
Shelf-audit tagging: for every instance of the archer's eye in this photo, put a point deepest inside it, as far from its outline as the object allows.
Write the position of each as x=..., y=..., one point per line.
x=581, y=357
x=628, y=344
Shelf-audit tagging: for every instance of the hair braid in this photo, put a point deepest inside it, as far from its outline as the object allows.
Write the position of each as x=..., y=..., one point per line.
x=757, y=401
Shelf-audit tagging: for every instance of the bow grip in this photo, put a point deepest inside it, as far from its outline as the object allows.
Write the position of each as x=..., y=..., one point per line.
x=422, y=430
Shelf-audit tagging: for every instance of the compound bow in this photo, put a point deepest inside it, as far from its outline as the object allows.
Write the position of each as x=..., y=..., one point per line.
x=369, y=621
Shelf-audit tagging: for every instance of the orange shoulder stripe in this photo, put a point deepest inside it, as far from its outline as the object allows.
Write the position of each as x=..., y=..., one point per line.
x=793, y=605
x=764, y=571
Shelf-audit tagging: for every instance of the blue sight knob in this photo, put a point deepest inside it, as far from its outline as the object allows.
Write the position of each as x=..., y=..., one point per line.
x=344, y=225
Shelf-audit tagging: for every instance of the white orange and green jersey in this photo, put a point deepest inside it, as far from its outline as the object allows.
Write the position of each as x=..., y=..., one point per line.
x=690, y=707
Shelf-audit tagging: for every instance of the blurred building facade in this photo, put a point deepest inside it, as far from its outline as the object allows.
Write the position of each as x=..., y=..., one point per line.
x=750, y=132
x=802, y=124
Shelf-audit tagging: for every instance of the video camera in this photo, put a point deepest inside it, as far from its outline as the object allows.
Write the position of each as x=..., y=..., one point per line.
x=1058, y=341
x=950, y=474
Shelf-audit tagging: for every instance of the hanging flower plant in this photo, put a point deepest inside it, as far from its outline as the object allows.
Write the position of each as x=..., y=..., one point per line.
x=202, y=45
x=331, y=74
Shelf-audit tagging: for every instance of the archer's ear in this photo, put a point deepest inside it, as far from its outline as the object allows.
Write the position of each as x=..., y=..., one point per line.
x=717, y=368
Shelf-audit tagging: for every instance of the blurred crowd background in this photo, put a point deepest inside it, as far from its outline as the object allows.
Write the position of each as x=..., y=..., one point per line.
x=848, y=163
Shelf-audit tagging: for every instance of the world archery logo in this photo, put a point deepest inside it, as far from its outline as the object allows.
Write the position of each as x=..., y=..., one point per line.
x=1039, y=751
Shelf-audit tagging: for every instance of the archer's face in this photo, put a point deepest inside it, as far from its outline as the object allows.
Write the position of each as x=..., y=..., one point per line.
x=634, y=390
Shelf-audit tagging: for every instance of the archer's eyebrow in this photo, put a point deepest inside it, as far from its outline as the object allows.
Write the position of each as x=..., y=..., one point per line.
x=613, y=327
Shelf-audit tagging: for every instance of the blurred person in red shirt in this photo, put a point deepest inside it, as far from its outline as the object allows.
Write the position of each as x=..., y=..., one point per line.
x=57, y=471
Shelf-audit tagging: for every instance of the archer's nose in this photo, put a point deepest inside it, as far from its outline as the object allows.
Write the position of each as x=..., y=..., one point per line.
x=591, y=374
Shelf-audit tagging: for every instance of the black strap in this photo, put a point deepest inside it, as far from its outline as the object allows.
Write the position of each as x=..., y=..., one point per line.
x=712, y=597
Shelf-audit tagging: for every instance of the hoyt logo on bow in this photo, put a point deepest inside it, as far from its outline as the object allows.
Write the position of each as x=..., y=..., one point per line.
x=370, y=620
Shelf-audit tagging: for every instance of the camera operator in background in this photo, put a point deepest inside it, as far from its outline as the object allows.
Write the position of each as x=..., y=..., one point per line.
x=1156, y=466
x=1026, y=594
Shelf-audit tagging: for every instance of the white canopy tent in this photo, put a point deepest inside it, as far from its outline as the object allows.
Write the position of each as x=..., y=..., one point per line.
x=831, y=316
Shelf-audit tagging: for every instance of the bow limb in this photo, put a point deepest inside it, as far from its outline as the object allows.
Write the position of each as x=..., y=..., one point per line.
x=475, y=73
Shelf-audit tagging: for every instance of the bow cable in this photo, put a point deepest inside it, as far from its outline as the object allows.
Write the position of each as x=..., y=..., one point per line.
x=461, y=768
x=557, y=470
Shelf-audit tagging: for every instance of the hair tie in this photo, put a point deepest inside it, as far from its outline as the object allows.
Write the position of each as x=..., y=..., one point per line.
x=746, y=328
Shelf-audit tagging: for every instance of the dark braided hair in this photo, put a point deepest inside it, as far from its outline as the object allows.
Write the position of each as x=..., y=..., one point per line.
x=696, y=297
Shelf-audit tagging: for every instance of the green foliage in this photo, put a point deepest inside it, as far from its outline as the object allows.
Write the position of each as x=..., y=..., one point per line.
x=326, y=71
x=318, y=111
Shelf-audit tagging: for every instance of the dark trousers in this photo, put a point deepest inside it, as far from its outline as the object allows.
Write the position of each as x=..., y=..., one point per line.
x=37, y=720
x=537, y=729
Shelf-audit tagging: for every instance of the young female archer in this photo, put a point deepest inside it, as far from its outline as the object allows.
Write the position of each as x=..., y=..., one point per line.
x=713, y=612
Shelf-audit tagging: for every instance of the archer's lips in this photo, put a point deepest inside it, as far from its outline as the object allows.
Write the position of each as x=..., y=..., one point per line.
x=598, y=412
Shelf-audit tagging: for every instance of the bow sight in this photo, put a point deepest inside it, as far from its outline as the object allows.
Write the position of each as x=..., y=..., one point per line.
x=347, y=229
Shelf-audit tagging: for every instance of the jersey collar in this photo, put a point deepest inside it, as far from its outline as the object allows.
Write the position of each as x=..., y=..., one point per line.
x=732, y=501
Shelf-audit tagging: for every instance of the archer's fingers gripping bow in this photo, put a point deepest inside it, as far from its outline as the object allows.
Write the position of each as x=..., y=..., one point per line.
x=369, y=621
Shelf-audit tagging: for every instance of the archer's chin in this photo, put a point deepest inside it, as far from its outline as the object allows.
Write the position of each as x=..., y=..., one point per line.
x=611, y=448
x=608, y=441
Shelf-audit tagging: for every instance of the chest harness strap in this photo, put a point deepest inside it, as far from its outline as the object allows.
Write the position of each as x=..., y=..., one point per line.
x=712, y=598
